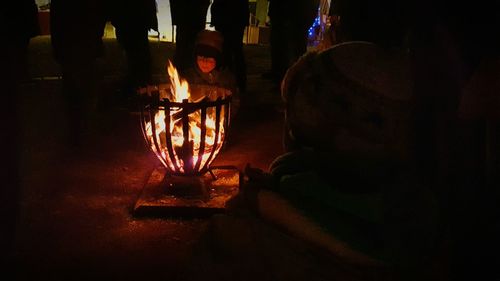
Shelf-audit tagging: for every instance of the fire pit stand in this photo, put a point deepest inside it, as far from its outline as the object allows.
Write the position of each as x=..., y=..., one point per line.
x=186, y=136
x=167, y=195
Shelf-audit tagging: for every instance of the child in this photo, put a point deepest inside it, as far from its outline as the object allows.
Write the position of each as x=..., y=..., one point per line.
x=208, y=68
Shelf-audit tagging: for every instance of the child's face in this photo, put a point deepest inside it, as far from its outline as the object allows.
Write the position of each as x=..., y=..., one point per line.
x=206, y=64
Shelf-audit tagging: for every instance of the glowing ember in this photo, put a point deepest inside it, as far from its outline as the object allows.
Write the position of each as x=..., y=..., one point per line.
x=198, y=145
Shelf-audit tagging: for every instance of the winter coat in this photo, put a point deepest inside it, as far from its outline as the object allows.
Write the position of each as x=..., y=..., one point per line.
x=221, y=77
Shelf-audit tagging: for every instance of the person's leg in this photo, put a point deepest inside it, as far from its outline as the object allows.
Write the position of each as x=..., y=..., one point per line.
x=278, y=46
x=135, y=42
x=10, y=142
x=80, y=93
x=300, y=36
x=227, y=45
x=186, y=31
x=184, y=45
x=240, y=67
x=233, y=53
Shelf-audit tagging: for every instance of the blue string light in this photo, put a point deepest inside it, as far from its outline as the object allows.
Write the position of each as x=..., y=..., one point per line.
x=315, y=24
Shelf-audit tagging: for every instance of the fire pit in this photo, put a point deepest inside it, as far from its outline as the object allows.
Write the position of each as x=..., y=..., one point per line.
x=185, y=126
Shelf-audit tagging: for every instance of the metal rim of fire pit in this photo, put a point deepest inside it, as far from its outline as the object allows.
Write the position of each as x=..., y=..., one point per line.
x=151, y=104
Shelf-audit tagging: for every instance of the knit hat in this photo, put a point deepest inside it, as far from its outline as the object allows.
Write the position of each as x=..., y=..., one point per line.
x=209, y=43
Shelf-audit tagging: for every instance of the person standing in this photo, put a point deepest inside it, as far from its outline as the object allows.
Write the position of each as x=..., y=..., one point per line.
x=230, y=17
x=76, y=38
x=20, y=20
x=189, y=18
x=20, y=24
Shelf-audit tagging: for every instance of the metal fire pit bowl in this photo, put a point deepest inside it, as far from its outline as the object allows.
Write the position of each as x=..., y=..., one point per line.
x=186, y=184
x=184, y=159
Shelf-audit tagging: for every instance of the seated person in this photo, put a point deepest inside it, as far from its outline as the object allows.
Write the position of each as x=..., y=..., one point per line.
x=347, y=170
x=342, y=203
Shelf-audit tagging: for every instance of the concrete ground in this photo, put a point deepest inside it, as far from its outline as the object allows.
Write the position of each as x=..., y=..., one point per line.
x=75, y=219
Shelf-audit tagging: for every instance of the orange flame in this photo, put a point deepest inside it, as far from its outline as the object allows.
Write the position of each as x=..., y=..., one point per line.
x=178, y=87
x=180, y=91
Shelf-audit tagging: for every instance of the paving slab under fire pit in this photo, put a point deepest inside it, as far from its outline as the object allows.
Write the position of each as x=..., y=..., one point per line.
x=188, y=196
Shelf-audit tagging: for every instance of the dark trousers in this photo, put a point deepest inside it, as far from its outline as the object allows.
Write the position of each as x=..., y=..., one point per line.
x=185, y=39
x=80, y=89
x=288, y=42
x=135, y=43
x=233, y=53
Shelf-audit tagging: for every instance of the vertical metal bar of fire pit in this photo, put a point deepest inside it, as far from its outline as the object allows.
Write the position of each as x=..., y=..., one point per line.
x=153, y=109
x=142, y=92
x=217, y=129
x=203, y=133
x=143, y=126
x=187, y=150
x=227, y=112
x=168, y=136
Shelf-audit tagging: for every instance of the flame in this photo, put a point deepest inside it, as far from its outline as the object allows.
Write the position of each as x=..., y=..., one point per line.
x=180, y=91
x=178, y=87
